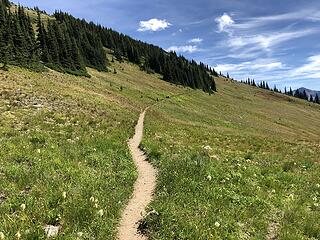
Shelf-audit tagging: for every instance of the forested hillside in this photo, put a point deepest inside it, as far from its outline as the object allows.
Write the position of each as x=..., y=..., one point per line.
x=302, y=93
x=69, y=45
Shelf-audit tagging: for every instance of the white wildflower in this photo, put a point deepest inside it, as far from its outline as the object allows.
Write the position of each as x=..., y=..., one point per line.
x=208, y=148
x=39, y=150
x=217, y=224
x=23, y=206
x=92, y=199
x=100, y=212
x=58, y=218
x=80, y=234
x=318, y=185
x=64, y=194
x=18, y=235
x=209, y=177
x=2, y=235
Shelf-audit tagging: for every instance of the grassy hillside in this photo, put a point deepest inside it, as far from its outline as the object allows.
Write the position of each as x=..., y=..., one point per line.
x=242, y=164
x=235, y=165
x=63, y=141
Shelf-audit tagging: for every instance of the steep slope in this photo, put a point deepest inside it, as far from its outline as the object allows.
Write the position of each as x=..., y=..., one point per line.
x=230, y=165
x=240, y=164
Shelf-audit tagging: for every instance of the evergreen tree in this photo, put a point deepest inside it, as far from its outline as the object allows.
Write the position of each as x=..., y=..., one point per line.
x=304, y=95
x=41, y=41
x=311, y=98
x=290, y=92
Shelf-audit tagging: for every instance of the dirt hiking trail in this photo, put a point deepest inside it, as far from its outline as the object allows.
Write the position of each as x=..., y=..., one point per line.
x=143, y=188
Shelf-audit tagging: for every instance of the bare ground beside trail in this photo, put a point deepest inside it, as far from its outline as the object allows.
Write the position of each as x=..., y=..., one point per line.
x=143, y=188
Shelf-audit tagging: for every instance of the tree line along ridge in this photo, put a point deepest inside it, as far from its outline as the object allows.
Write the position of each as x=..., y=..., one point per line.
x=69, y=45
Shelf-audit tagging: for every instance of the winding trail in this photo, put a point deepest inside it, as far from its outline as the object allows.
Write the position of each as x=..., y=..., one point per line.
x=143, y=188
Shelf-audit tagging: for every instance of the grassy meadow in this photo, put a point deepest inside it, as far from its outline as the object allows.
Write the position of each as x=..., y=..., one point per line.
x=240, y=164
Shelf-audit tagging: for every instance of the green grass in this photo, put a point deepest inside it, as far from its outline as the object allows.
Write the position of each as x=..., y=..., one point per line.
x=233, y=163
x=58, y=135
x=62, y=134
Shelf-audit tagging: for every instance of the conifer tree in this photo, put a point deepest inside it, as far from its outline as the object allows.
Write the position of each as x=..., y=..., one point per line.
x=290, y=92
x=311, y=98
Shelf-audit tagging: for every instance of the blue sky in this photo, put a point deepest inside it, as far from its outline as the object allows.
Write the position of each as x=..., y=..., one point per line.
x=276, y=41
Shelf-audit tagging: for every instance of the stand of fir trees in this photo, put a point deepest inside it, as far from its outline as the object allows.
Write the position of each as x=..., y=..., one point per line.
x=69, y=45
x=93, y=38
x=18, y=43
x=298, y=94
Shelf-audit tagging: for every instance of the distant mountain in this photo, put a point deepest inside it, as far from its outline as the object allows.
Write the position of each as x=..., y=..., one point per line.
x=309, y=92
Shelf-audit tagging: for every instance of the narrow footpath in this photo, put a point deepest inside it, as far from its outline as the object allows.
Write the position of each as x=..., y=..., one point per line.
x=143, y=188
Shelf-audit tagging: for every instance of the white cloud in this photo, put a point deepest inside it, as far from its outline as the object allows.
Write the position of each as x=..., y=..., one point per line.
x=246, y=39
x=153, y=25
x=248, y=46
x=188, y=48
x=251, y=66
x=266, y=41
x=274, y=71
x=252, y=23
x=195, y=40
x=309, y=70
x=224, y=22
x=257, y=40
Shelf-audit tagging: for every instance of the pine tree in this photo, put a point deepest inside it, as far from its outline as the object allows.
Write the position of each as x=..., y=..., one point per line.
x=41, y=41
x=267, y=86
x=304, y=95
x=311, y=98
x=290, y=92
x=52, y=43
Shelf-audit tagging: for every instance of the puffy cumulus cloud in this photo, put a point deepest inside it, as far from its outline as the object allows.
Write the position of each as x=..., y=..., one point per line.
x=224, y=22
x=187, y=48
x=153, y=25
x=195, y=40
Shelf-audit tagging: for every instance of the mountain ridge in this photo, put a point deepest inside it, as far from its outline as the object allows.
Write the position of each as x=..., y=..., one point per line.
x=309, y=92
